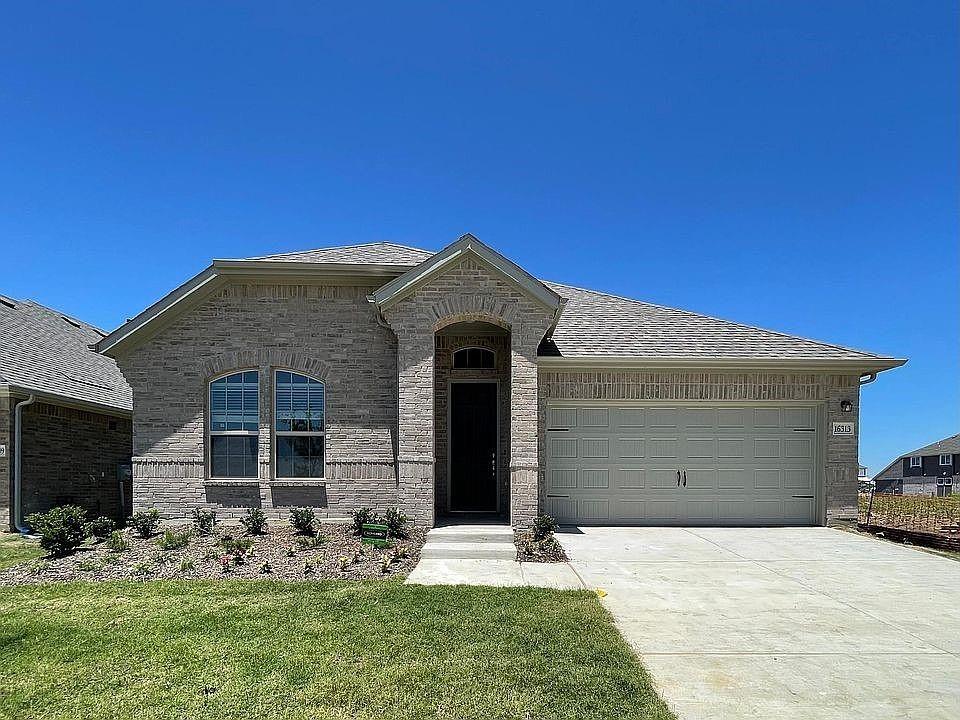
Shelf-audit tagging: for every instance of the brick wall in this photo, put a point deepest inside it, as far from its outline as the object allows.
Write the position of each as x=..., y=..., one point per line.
x=839, y=464
x=71, y=456
x=328, y=332
x=6, y=462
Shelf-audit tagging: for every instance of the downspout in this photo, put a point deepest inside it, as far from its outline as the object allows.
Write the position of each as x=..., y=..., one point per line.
x=17, y=436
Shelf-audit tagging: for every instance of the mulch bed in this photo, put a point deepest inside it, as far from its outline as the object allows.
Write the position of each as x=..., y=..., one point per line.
x=529, y=549
x=279, y=554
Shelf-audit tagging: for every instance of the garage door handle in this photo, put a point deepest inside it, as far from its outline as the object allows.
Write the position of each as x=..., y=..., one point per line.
x=804, y=497
x=684, y=478
x=678, y=478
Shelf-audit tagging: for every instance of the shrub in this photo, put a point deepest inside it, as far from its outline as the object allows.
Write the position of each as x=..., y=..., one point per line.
x=186, y=565
x=204, y=520
x=396, y=522
x=302, y=520
x=174, y=540
x=61, y=529
x=117, y=542
x=311, y=541
x=362, y=517
x=145, y=522
x=100, y=528
x=236, y=547
x=254, y=521
x=543, y=527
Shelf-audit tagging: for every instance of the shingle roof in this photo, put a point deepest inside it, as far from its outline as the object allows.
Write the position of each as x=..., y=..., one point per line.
x=43, y=349
x=947, y=446
x=377, y=253
x=595, y=324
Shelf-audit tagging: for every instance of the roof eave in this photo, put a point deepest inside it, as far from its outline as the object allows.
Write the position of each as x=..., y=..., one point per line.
x=65, y=400
x=864, y=365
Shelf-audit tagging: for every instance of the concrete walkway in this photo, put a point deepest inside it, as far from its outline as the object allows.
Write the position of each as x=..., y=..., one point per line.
x=781, y=622
x=484, y=555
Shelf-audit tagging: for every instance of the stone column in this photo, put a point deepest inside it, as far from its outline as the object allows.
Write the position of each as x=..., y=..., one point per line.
x=415, y=455
x=524, y=466
x=842, y=461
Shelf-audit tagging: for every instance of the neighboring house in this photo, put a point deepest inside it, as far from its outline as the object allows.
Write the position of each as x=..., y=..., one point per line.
x=73, y=409
x=931, y=470
x=863, y=479
x=455, y=383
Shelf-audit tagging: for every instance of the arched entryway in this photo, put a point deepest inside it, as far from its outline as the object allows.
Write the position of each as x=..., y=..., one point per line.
x=472, y=420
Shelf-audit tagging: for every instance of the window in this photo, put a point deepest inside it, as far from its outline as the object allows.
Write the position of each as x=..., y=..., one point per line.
x=473, y=358
x=234, y=425
x=299, y=425
x=946, y=459
x=915, y=461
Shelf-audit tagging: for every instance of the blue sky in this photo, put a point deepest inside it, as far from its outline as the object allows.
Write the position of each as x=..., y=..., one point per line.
x=791, y=165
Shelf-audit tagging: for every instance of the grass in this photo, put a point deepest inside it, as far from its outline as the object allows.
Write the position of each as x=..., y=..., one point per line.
x=324, y=650
x=14, y=549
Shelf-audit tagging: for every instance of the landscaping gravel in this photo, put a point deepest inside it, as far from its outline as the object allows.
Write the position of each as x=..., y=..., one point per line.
x=278, y=554
x=547, y=550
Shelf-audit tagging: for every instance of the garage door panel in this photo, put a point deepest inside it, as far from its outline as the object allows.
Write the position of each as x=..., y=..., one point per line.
x=561, y=417
x=743, y=465
x=631, y=478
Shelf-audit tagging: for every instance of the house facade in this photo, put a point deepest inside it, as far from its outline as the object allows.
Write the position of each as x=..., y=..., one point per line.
x=457, y=384
x=931, y=470
x=65, y=417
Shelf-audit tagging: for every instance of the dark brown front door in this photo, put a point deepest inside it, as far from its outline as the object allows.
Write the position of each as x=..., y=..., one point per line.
x=473, y=447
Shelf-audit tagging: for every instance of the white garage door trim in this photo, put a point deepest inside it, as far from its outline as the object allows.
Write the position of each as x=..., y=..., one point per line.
x=659, y=492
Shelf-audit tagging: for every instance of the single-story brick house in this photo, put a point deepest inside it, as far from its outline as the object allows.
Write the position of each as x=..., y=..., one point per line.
x=70, y=409
x=456, y=383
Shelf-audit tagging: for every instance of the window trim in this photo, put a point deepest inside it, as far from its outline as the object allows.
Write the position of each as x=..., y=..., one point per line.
x=948, y=457
x=209, y=432
x=453, y=357
x=918, y=463
x=274, y=433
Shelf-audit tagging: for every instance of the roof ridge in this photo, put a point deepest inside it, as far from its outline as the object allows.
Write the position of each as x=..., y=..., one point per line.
x=724, y=320
x=341, y=247
x=929, y=445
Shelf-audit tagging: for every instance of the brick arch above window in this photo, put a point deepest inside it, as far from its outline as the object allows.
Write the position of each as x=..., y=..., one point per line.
x=301, y=362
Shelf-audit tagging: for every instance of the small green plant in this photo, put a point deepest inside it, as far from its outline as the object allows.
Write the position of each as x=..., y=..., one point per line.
x=396, y=522
x=100, y=528
x=266, y=568
x=543, y=527
x=174, y=540
x=111, y=559
x=309, y=568
x=362, y=517
x=142, y=569
x=61, y=530
x=39, y=566
x=302, y=519
x=89, y=565
x=291, y=551
x=186, y=565
x=399, y=553
x=117, y=542
x=385, y=563
x=311, y=541
x=235, y=546
x=145, y=522
x=254, y=521
x=344, y=562
x=204, y=520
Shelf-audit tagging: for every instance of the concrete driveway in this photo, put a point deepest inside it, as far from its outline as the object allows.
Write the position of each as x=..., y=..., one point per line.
x=781, y=622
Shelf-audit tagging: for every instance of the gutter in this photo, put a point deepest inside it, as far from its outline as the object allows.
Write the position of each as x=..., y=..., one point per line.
x=17, y=492
x=866, y=366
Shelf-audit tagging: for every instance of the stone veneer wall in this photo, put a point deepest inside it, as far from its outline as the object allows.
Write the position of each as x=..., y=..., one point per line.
x=446, y=345
x=840, y=460
x=328, y=332
x=468, y=291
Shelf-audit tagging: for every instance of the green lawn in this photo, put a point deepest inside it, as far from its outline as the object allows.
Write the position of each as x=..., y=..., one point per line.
x=235, y=649
x=14, y=549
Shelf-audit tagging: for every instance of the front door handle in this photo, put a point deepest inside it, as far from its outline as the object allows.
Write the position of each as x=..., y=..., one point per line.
x=684, y=478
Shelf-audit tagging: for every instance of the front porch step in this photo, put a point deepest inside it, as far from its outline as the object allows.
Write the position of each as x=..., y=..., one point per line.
x=468, y=550
x=471, y=534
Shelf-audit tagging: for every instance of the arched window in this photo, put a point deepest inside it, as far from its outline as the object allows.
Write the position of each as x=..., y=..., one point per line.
x=299, y=425
x=234, y=425
x=473, y=359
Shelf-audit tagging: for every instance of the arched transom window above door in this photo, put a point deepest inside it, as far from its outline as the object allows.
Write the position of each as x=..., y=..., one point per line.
x=474, y=359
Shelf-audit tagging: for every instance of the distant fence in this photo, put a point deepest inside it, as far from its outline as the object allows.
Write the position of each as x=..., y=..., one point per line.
x=929, y=520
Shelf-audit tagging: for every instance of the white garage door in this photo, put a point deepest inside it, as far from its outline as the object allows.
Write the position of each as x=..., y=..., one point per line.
x=682, y=465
